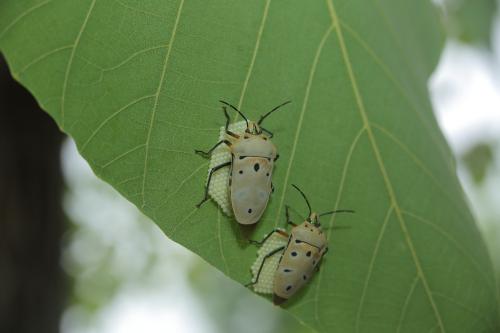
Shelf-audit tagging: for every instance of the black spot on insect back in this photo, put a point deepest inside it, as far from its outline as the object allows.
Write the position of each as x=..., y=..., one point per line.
x=267, y=174
x=256, y=167
x=249, y=210
x=294, y=254
x=241, y=172
x=286, y=270
x=304, y=277
x=308, y=253
x=298, y=241
x=288, y=288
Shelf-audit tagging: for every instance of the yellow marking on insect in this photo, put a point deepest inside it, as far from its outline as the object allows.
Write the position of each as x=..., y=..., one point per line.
x=218, y=188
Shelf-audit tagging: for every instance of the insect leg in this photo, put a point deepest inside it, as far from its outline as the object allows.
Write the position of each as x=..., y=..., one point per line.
x=205, y=198
x=207, y=153
x=267, y=131
x=270, y=254
x=228, y=132
x=287, y=213
x=267, y=236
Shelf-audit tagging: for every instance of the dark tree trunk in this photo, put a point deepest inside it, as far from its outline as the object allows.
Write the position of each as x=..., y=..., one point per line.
x=32, y=287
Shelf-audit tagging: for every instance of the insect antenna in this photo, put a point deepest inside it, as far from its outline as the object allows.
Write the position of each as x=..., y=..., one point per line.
x=267, y=114
x=305, y=198
x=235, y=109
x=337, y=211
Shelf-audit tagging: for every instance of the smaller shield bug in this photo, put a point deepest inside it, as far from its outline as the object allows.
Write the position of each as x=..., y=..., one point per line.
x=300, y=253
x=251, y=166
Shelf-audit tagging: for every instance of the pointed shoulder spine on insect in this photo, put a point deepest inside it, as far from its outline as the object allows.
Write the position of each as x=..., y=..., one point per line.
x=252, y=161
x=307, y=244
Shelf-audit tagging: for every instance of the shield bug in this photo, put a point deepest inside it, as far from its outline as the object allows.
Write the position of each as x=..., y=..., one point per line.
x=299, y=251
x=251, y=166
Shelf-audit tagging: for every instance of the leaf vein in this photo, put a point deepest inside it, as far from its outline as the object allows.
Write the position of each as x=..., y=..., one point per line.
x=117, y=158
x=446, y=154
x=219, y=236
x=22, y=15
x=181, y=184
x=406, y=303
x=466, y=254
x=110, y=117
x=301, y=119
x=420, y=164
x=387, y=181
x=157, y=97
x=475, y=312
x=42, y=57
x=371, y=265
x=175, y=229
x=254, y=56
x=70, y=61
x=137, y=10
x=343, y=178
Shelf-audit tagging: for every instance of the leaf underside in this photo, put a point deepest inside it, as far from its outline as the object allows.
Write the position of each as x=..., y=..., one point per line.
x=136, y=83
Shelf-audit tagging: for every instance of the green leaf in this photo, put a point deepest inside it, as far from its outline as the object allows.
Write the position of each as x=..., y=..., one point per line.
x=136, y=84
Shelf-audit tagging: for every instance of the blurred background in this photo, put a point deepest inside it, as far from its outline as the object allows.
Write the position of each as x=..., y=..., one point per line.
x=118, y=273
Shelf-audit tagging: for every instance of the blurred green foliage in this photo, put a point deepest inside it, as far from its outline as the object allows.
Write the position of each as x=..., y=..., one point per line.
x=471, y=21
x=477, y=160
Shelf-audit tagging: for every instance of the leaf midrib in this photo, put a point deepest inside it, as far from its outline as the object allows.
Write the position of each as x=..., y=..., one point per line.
x=392, y=197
